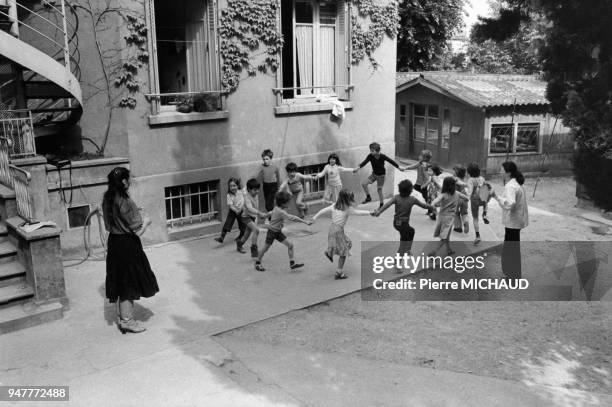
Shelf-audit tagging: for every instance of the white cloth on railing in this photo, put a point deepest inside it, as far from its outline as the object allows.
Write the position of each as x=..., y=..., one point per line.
x=337, y=106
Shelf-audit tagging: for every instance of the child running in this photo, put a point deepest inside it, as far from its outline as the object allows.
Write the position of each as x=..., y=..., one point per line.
x=461, y=217
x=338, y=243
x=378, y=172
x=277, y=219
x=293, y=185
x=422, y=166
x=433, y=186
x=334, y=182
x=448, y=201
x=401, y=221
x=235, y=203
x=475, y=188
x=249, y=215
x=269, y=176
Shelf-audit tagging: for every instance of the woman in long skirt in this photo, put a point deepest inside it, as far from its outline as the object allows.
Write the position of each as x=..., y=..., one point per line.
x=128, y=273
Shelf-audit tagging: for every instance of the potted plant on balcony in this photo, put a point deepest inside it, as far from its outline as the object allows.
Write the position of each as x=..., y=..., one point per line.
x=207, y=102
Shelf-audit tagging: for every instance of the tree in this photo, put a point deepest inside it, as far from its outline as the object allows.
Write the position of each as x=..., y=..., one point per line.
x=426, y=26
x=576, y=56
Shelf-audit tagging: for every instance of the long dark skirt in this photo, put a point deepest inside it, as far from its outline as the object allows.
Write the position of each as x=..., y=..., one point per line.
x=128, y=273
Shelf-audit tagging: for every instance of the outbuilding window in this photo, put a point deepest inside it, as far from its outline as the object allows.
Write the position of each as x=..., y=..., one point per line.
x=515, y=138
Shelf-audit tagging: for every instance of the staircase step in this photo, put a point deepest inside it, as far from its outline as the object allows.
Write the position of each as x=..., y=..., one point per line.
x=26, y=315
x=15, y=292
x=45, y=90
x=8, y=252
x=3, y=229
x=11, y=270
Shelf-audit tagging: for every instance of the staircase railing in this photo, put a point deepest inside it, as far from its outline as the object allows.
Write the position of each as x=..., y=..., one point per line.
x=49, y=28
x=18, y=179
x=21, y=185
x=5, y=171
x=17, y=126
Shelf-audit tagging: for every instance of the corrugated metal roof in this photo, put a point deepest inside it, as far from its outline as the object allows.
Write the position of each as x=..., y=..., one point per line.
x=480, y=90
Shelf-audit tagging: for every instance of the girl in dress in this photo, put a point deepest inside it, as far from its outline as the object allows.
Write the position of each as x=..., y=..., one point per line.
x=338, y=243
x=448, y=201
x=128, y=273
x=334, y=183
x=235, y=202
x=433, y=186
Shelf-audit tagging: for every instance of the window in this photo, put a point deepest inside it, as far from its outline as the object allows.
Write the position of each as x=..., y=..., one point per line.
x=184, y=61
x=527, y=136
x=315, y=58
x=425, y=124
x=192, y=203
x=514, y=138
x=402, y=112
x=446, y=129
x=313, y=189
x=77, y=215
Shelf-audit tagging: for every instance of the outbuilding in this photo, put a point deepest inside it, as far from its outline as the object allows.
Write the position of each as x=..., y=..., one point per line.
x=488, y=119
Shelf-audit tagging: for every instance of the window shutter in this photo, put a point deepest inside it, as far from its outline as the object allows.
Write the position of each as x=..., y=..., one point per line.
x=213, y=51
x=343, y=63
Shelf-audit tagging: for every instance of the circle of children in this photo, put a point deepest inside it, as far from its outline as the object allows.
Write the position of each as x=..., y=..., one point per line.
x=450, y=194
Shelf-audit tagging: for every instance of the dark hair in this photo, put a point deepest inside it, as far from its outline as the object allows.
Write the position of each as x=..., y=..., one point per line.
x=267, y=153
x=345, y=199
x=459, y=171
x=235, y=180
x=426, y=154
x=115, y=189
x=291, y=167
x=435, y=168
x=335, y=157
x=405, y=188
x=375, y=146
x=282, y=198
x=253, y=184
x=449, y=185
x=473, y=170
x=510, y=168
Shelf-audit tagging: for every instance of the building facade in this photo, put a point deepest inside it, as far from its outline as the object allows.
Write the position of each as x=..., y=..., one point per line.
x=156, y=97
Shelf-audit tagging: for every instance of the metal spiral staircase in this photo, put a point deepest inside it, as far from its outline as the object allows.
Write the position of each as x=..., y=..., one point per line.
x=39, y=63
x=39, y=95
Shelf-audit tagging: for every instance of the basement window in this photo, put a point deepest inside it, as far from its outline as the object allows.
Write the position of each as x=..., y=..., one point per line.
x=77, y=215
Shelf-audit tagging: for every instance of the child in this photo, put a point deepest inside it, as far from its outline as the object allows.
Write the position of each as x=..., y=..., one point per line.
x=448, y=201
x=433, y=186
x=249, y=214
x=422, y=177
x=461, y=217
x=475, y=188
x=334, y=183
x=337, y=241
x=293, y=184
x=378, y=172
x=401, y=221
x=269, y=176
x=277, y=218
x=235, y=203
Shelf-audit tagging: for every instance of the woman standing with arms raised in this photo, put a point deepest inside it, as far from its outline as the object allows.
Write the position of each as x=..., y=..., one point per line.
x=128, y=273
x=515, y=217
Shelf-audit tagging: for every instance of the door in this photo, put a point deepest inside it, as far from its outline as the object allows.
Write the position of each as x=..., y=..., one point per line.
x=425, y=129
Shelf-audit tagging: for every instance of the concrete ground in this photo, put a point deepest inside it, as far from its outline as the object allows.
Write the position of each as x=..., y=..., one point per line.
x=207, y=289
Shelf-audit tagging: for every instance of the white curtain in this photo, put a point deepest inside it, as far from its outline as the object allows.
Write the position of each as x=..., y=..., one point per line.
x=325, y=70
x=196, y=36
x=303, y=39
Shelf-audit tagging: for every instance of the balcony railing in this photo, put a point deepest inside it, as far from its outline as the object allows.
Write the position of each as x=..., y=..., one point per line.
x=308, y=93
x=17, y=126
x=187, y=102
